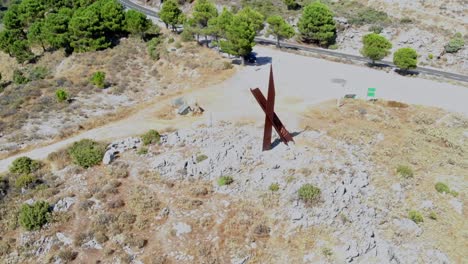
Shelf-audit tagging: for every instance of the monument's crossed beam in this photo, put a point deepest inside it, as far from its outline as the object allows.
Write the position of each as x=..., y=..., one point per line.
x=271, y=119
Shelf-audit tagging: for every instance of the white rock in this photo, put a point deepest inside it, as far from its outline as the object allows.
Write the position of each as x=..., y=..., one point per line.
x=407, y=227
x=64, y=204
x=457, y=205
x=64, y=239
x=427, y=204
x=182, y=228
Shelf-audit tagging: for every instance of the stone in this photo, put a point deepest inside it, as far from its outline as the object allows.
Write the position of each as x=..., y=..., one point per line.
x=407, y=227
x=120, y=146
x=427, y=205
x=297, y=215
x=182, y=228
x=457, y=205
x=64, y=204
x=184, y=109
x=64, y=239
x=92, y=244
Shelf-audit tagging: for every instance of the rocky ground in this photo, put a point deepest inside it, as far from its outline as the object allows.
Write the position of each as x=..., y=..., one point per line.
x=163, y=203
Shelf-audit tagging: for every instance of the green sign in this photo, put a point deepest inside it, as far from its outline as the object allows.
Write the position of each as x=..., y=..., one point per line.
x=371, y=92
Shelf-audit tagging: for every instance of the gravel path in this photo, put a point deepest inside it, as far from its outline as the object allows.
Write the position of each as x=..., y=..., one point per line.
x=301, y=82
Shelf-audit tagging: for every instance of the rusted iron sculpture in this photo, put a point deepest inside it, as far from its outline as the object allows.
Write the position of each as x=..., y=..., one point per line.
x=271, y=119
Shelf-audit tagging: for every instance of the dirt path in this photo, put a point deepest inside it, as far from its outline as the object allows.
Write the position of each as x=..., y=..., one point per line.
x=301, y=82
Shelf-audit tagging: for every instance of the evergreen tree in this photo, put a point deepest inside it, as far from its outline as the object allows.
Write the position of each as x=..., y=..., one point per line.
x=136, y=22
x=36, y=34
x=87, y=33
x=279, y=28
x=112, y=16
x=376, y=47
x=405, y=59
x=317, y=24
x=55, y=28
x=241, y=32
x=171, y=14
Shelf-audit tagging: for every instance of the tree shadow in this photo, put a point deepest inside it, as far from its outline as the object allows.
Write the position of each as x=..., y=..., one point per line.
x=407, y=72
x=379, y=65
x=278, y=141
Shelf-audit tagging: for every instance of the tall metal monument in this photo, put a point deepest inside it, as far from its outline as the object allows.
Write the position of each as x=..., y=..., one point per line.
x=271, y=119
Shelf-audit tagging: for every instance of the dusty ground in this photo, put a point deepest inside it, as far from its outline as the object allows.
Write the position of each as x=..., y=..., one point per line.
x=298, y=88
x=128, y=211
x=31, y=116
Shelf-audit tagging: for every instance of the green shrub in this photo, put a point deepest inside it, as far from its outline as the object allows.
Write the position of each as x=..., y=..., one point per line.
x=25, y=181
x=405, y=171
x=142, y=151
x=377, y=29
x=154, y=48
x=406, y=20
x=309, y=193
x=442, y=187
x=33, y=217
x=291, y=4
x=150, y=137
x=369, y=16
x=415, y=216
x=186, y=36
x=455, y=44
x=19, y=78
x=86, y=153
x=225, y=180
x=170, y=40
x=178, y=45
x=333, y=47
x=99, y=79
x=433, y=215
x=201, y=158
x=38, y=73
x=24, y=165
x=430, y=56
x=61, y=95
x=274, y=187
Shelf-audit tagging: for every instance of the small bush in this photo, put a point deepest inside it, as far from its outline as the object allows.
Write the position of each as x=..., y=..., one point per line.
x=178, y=45
x=442, y=187
x=309, y=193
x=24, y=165
x=154, y=49
x=186, y=36
x=333, y=47
x=377, y=29
x=142, y=151
x=170, y=40
x=433, y=215
x=86, y=153
x=455, y=44
x=151, y=137
x=38, y=73
x=25, y=181
x=19, y=78
x=405, y=172
x=415, y=216
x=274, y=187
x=430, y=56
x=33, y=217
x=327, y=252
x=201, y=158
x=61, y=95
x=406, y=20
x=99, y=79
x=369, y=16
x=225, y=180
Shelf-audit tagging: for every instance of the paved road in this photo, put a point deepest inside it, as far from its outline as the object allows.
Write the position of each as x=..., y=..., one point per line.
x=260, y=40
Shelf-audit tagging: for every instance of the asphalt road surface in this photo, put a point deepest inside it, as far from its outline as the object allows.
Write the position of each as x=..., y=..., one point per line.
x=421, y=70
